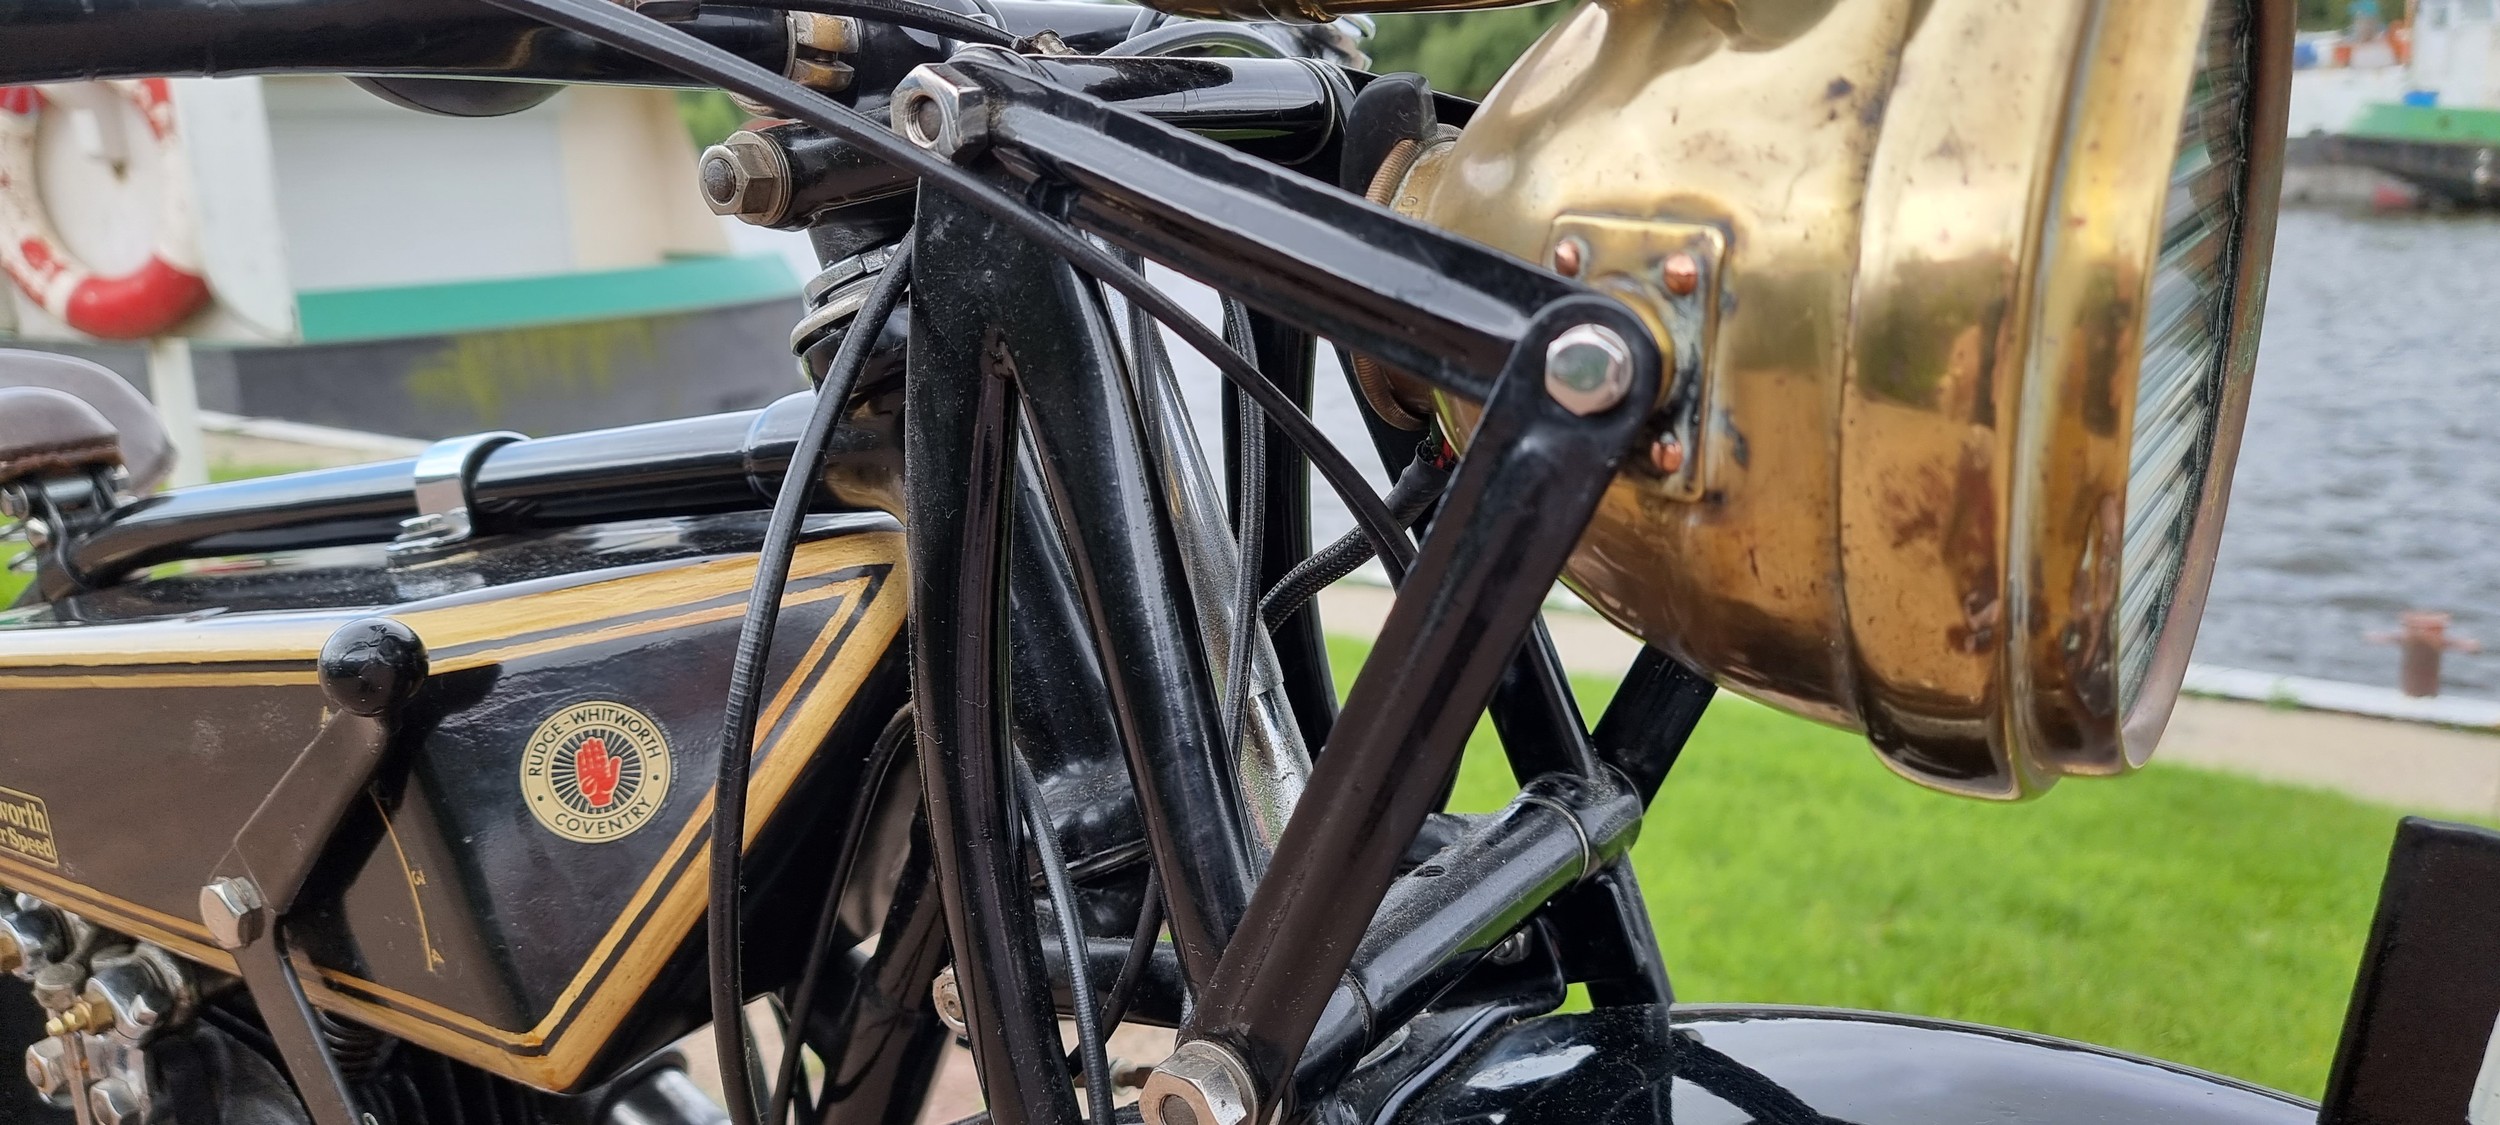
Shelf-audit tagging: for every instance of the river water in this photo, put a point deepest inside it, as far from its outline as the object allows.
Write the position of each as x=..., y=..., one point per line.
x=2369, y=482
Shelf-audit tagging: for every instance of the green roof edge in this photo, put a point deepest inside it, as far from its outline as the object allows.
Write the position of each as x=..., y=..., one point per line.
x=679, y=286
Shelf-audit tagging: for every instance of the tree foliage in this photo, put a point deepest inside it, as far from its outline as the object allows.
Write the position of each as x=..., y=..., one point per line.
x=1466, y=52
x=1461, y=52
x=709, y=116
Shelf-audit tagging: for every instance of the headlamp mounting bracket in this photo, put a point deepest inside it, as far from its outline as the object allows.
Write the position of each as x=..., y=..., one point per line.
x=1670, y=273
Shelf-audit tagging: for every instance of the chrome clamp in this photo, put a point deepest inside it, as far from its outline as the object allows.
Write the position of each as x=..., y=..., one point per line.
x=444, y=475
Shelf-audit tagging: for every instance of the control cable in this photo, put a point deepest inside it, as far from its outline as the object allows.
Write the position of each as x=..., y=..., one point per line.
x=1072, y=944
x=746, y=683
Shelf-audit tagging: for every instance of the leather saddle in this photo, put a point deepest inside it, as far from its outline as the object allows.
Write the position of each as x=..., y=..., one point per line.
x=60, y=414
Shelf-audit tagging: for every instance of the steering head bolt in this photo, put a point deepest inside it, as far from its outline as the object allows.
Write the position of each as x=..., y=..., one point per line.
x=746, y=177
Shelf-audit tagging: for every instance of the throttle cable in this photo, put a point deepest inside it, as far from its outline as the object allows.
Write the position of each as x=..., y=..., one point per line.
x=746, y=682
x=1072, y=943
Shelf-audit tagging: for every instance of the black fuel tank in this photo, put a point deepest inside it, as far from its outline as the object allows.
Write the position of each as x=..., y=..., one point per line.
x=1712, y=1065
x=521, y=883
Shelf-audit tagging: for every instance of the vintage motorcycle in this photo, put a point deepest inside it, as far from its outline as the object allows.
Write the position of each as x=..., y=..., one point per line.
x=1883, y=360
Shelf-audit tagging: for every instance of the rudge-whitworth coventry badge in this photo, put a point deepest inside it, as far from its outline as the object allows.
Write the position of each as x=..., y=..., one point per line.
x=595, y=772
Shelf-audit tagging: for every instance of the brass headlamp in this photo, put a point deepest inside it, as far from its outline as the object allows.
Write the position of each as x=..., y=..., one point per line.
x=1978, y=286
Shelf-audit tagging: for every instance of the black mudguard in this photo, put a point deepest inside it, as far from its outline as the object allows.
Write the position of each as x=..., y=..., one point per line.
x=1812, y=1066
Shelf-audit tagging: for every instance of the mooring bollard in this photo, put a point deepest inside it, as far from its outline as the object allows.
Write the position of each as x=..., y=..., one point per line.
x=2420, y=645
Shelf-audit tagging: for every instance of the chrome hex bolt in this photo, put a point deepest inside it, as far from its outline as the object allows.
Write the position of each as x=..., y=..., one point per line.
x=1203, y=1083
x=1588, y=368
x=233, y=911
x=939, y=109
x=747, y=177
x=47, y=1070
x=115, y=1103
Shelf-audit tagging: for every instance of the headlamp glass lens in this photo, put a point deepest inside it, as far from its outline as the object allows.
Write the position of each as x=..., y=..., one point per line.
x=2179, y=383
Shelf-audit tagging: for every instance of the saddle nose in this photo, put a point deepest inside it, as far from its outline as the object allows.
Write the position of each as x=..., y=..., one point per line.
x=44, y=432
x=60, y=412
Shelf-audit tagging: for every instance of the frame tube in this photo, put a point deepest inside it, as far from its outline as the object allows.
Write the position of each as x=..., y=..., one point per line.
x=1444, y=308
x=882, y=1050
x=961, y=435
x=1443, y=917
x=1097, y=463
x=1513, y=513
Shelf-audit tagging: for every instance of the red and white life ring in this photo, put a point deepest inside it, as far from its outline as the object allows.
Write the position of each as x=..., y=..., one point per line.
x=146, y=301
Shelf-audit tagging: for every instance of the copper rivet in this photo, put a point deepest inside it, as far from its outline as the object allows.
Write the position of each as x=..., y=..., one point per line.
x=1681, y=273
x=1667, y=455
x=1567, y=257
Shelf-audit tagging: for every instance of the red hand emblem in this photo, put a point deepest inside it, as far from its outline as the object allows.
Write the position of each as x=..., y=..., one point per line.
x=596, y=772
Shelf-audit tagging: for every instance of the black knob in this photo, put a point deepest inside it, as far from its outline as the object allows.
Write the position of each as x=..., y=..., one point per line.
x=371, y=665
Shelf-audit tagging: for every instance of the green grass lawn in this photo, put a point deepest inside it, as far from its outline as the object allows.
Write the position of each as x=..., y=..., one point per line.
x=2198, y=917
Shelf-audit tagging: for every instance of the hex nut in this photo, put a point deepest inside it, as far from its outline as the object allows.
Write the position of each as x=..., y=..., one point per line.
x=115, y=1103
x=939, y=109
x=747, y=177
x=1588, y=368
x=1202, y=1083
x=949, y=1000
x=56, y=985
x=47, y=1070
x=233, y=911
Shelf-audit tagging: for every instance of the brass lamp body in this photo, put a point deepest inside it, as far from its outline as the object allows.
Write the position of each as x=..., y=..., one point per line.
x=1933, y=227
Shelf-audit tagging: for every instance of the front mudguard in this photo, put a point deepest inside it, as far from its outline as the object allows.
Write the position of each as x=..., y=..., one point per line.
x=1710, y=1065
